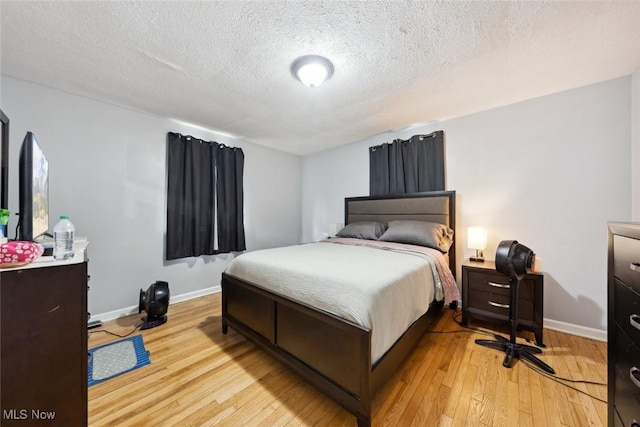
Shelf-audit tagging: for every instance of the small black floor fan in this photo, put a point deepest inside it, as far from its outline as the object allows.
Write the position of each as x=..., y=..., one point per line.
x=155, y=302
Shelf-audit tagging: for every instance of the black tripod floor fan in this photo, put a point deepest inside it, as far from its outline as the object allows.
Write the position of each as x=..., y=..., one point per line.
x=515, y=260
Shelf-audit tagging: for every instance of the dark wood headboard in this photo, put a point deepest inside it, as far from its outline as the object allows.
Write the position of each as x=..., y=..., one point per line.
x=433, y=206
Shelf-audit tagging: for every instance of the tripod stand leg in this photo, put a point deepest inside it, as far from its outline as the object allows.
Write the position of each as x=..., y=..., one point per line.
x=509, y=355
x=509, y=346
x=531, y=349
x=492, y=344
x=499, y=343
x=539, y=363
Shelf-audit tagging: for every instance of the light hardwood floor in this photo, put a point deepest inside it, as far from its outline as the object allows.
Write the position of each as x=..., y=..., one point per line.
x=200, y=377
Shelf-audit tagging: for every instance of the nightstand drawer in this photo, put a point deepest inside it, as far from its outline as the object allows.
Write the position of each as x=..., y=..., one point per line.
x=627, y=261
x=499, y=304
x=497, y=283
x=489, y=282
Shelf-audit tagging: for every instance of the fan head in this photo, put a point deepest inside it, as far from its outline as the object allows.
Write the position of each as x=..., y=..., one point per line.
x=514, y=259
x=155, y=302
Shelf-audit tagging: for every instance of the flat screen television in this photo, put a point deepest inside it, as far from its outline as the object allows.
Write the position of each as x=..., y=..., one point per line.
x=34, y=190
x=4, y=162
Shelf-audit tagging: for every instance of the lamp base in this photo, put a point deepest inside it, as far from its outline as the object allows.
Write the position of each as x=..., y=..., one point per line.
x=476, y=259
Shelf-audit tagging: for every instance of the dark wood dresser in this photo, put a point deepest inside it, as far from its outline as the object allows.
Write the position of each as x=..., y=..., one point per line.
x=485, y=295
x=623, y=335
x=43, y=361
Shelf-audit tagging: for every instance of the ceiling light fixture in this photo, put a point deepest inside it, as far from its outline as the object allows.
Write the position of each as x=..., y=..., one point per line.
x=312, y=70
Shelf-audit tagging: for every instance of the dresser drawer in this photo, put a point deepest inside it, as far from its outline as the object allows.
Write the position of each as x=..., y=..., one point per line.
x=626, y=263
x=626, y=393
x=496, y=283
x=617, y=421
x=627, y=312
x=499, y=304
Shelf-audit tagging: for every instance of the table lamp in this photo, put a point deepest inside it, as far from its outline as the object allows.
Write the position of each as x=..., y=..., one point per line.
x=477, y=239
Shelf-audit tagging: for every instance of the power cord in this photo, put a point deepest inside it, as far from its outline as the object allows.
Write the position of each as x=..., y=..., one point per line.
x=468, y=329
x=559, y=379
x=117, y=335
x=457, y=313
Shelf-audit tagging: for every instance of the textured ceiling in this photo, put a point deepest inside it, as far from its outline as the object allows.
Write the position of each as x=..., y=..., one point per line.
x=225, y=65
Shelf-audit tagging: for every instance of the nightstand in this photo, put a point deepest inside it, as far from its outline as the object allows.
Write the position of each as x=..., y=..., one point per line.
x=485, y=295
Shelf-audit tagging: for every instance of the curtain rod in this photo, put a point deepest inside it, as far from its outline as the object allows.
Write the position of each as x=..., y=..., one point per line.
x=421, y=137
x=219, y=144
x=431, y=135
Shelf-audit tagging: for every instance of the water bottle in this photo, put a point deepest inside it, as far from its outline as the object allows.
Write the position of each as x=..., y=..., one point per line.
x=63, y=239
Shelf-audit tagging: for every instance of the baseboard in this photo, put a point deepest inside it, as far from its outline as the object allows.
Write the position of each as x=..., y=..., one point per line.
x=581, y=331
x=111, y=315
x=556, y=325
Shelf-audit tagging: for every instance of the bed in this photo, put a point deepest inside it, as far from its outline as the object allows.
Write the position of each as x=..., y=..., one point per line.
x=341, y=354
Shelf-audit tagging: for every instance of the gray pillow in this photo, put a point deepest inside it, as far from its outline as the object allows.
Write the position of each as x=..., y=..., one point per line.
x=370, y=230
x=429, y=234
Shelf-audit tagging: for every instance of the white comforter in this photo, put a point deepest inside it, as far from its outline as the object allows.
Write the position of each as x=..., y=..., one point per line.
x=383, y=290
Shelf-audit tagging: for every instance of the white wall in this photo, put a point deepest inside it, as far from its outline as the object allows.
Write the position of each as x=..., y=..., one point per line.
x=107, y=172
x=549, y=172
x=635, y=146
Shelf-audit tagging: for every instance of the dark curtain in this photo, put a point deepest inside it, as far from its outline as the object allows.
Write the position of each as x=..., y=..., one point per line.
x=410, y=166
x=203, y=177
x=230, y=199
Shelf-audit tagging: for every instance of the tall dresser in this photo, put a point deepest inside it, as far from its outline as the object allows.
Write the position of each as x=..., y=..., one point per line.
x=43, y=343
x=624, y=324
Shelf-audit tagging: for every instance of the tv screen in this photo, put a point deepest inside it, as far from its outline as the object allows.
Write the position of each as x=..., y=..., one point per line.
x=34, y=190
x=4, y=162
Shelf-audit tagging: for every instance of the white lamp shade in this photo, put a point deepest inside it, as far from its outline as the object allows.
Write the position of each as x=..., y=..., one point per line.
x=477, y=238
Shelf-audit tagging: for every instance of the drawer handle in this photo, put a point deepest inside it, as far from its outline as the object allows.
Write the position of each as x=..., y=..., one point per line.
x=633, y=321
x=635, y=266
x=495, y=304
x=634, y=380
x=499, y=285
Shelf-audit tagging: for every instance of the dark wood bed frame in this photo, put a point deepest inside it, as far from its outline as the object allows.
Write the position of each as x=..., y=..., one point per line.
x=331, y=353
